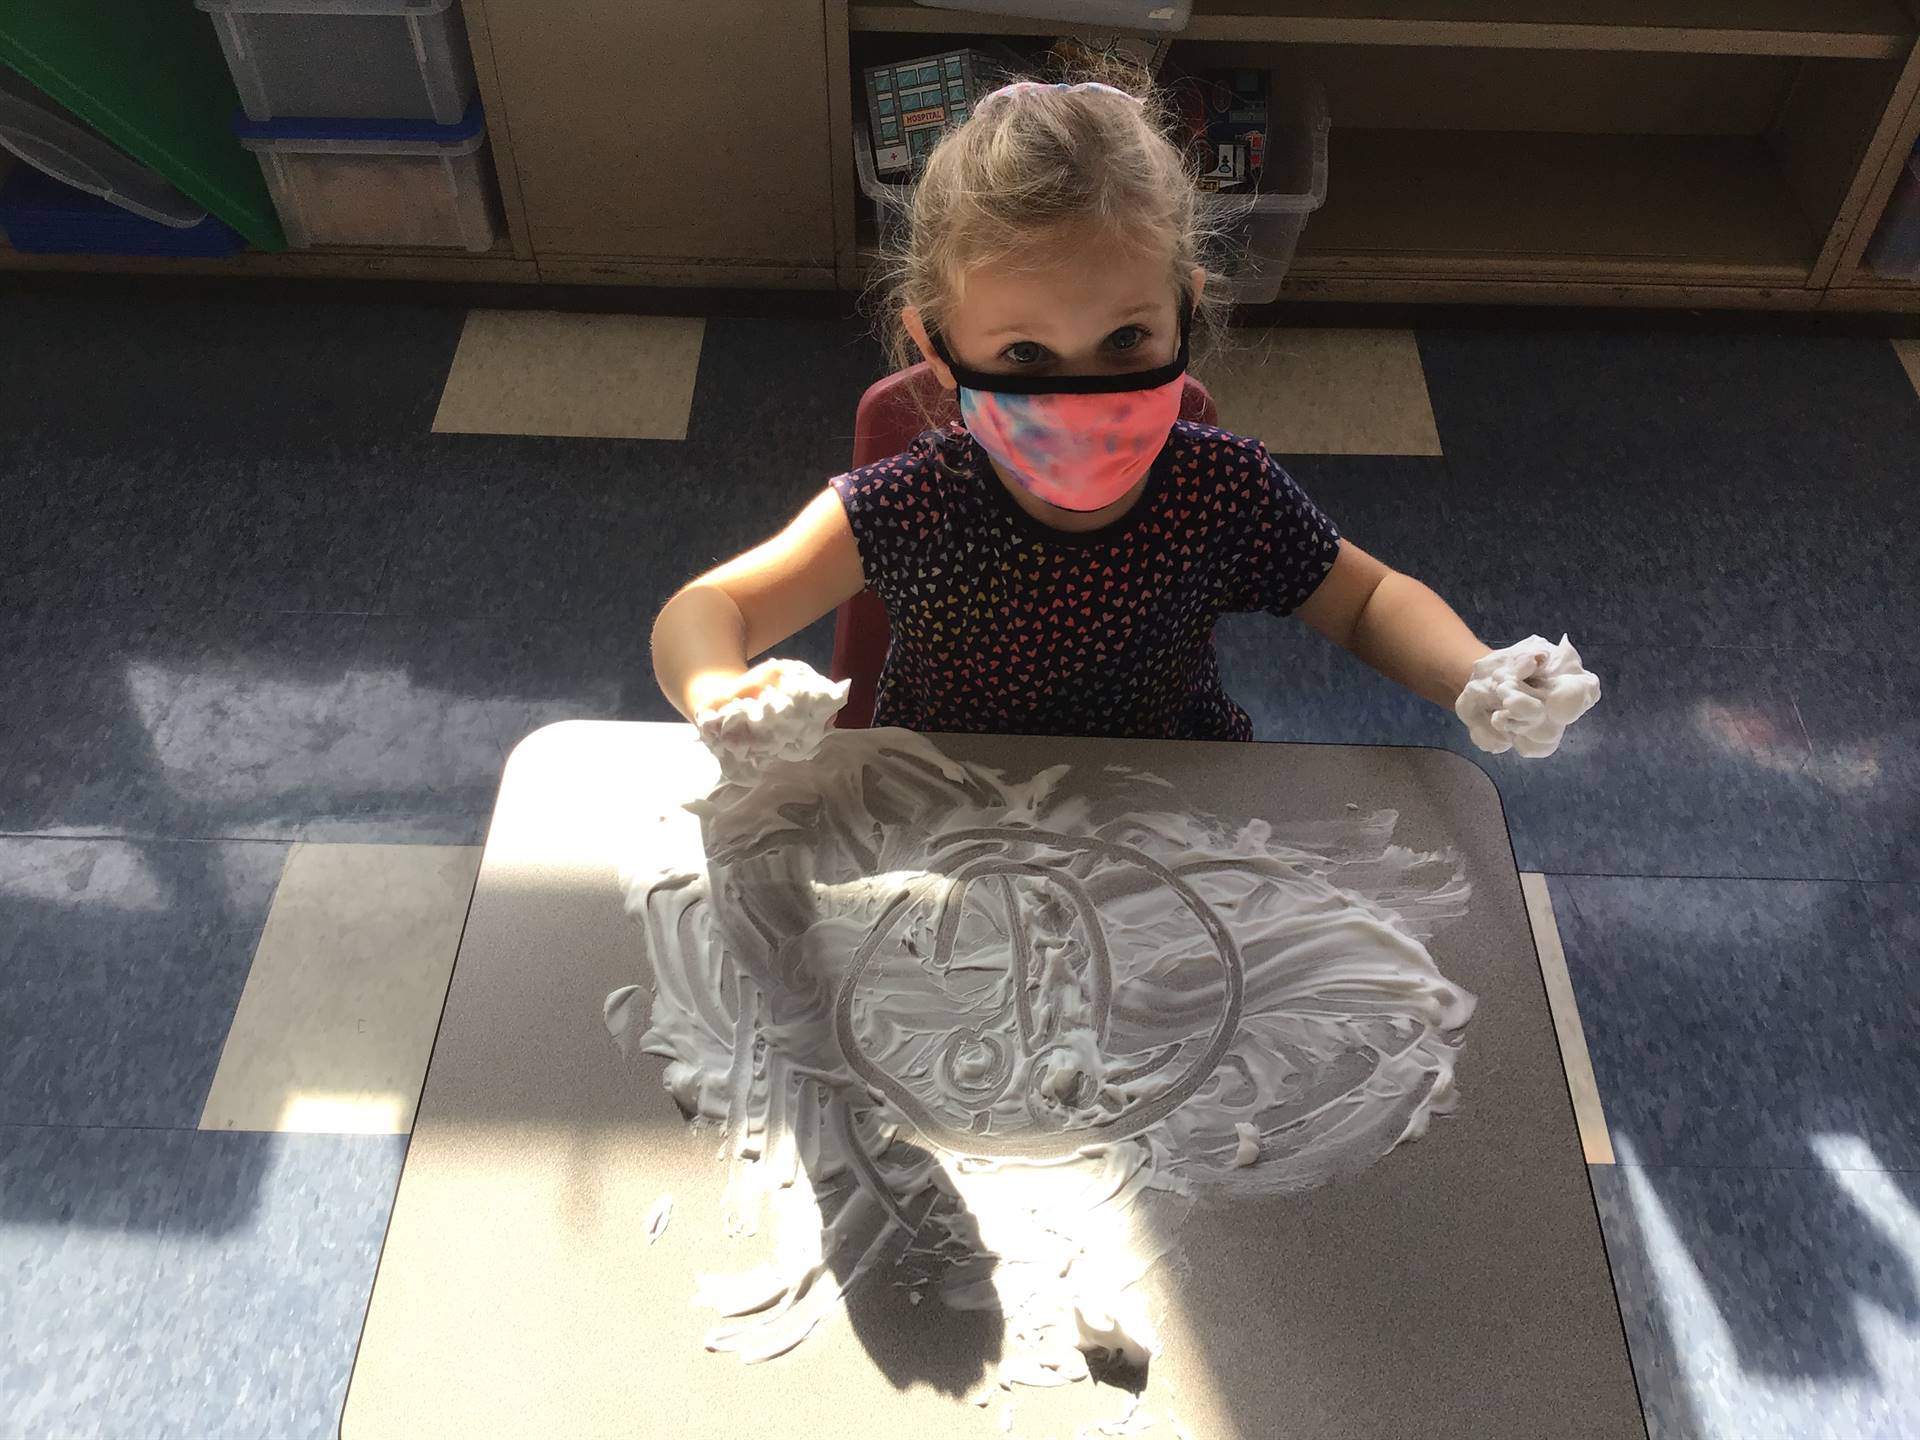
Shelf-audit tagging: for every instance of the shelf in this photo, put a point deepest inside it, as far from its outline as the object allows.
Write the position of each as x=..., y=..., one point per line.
x=1874, y=299
x=1863, y=288
x=1864, y=277
x=1522, y=205
x=1450, y=208
x=330, y=263
x=1840, y=29
x=1397, y=291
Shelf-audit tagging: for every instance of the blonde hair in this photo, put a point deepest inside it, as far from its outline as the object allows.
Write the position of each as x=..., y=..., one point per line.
x=1029, y=173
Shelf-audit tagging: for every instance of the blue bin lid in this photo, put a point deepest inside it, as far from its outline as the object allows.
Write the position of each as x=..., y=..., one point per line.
x=27, y=189
x=89, y=225
x=30, y=190
x=313, y=127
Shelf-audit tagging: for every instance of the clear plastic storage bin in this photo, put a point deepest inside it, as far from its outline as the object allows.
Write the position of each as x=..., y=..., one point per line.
x=1895, y=251
x=360, y=59
x=1263, y=230
x=1260, y=231
x=377, y=182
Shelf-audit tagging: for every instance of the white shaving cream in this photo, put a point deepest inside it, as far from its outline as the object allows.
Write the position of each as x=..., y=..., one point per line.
x=1008, y=1034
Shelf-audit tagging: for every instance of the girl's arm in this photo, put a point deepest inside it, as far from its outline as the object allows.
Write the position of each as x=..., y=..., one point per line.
x=1395, y=624
x=706, y=634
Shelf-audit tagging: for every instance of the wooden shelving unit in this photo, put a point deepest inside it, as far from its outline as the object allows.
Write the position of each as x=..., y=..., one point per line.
x=1711, y=152
x=1704, y=153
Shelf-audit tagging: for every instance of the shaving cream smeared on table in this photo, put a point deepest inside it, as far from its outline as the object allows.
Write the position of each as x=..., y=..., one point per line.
x=1524, y=697
x=1005, y=1035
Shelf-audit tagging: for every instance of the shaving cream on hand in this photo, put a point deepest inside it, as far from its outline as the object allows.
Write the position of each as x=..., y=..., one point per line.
x=1523, y=698
x=786, y=719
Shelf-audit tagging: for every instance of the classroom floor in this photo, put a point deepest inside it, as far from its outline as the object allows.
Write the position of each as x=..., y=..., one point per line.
x=276, y=601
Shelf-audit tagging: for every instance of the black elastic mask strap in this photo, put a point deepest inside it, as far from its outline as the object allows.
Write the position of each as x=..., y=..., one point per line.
x=1016, y=384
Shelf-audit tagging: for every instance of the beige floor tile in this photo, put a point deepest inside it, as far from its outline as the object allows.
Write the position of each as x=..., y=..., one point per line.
x=1591, y=1117
x=337, y=1018
x=1325, y=392
x=540, y=372
x=1909, y=352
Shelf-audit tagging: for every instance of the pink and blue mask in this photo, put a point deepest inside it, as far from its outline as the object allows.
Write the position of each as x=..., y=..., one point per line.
x=1078, y=442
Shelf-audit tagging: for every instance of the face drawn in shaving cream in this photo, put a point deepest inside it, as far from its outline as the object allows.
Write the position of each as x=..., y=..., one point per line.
x=1011, y=1033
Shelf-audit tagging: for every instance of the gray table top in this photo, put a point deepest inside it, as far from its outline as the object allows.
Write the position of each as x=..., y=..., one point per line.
x=1457, y=1288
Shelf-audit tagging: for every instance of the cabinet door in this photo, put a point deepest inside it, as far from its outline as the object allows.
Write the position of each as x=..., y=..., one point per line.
x=669, y=130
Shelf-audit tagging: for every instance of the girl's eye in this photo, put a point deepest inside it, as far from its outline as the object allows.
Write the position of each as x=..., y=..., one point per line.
x=1024, y=352
x=1126, y=337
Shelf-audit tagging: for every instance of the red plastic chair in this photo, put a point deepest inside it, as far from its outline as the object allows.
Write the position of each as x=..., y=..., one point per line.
x=891, y=414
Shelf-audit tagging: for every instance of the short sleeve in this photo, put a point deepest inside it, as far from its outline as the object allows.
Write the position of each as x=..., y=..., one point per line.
x=891, y=506
x=1287, y=545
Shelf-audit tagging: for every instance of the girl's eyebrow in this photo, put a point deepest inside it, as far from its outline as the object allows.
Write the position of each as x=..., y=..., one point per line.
x=1025, y=327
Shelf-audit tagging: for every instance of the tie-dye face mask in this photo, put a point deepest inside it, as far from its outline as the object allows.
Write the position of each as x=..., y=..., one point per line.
x=1079, y=442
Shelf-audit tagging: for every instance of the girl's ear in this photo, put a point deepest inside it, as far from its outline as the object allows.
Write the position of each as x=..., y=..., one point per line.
x=910, y=317
x=1197, y=282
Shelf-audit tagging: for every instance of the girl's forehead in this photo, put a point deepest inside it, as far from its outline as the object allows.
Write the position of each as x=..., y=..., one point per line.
x=1069, y=287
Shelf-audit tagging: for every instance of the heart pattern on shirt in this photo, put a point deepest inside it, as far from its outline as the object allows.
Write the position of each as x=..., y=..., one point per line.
x=1002, y=625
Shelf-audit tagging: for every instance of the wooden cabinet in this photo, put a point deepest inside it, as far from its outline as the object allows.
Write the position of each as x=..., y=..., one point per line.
x=665, y=139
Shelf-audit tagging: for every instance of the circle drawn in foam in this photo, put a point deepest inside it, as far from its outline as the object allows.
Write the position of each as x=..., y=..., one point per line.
x=977, y=1063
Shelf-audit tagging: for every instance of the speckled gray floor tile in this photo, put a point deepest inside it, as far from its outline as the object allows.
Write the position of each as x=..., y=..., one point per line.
x=168, y=1283
x=122, y=965
x=1770, y=1304
x=1733, y=1021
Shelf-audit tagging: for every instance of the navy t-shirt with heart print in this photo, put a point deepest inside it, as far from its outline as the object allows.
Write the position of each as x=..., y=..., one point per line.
x=1002, y=624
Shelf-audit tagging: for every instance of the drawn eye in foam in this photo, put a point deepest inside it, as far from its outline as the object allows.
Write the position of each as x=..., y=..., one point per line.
x=938, y=1012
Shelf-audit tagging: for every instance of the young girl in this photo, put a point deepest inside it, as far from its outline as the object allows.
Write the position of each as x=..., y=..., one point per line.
x=1054, y=563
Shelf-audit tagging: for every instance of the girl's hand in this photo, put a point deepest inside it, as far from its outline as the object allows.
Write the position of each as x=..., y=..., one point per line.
x=717, y=688
x=705, y=633
x=780, y=710
x=1524, y=697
